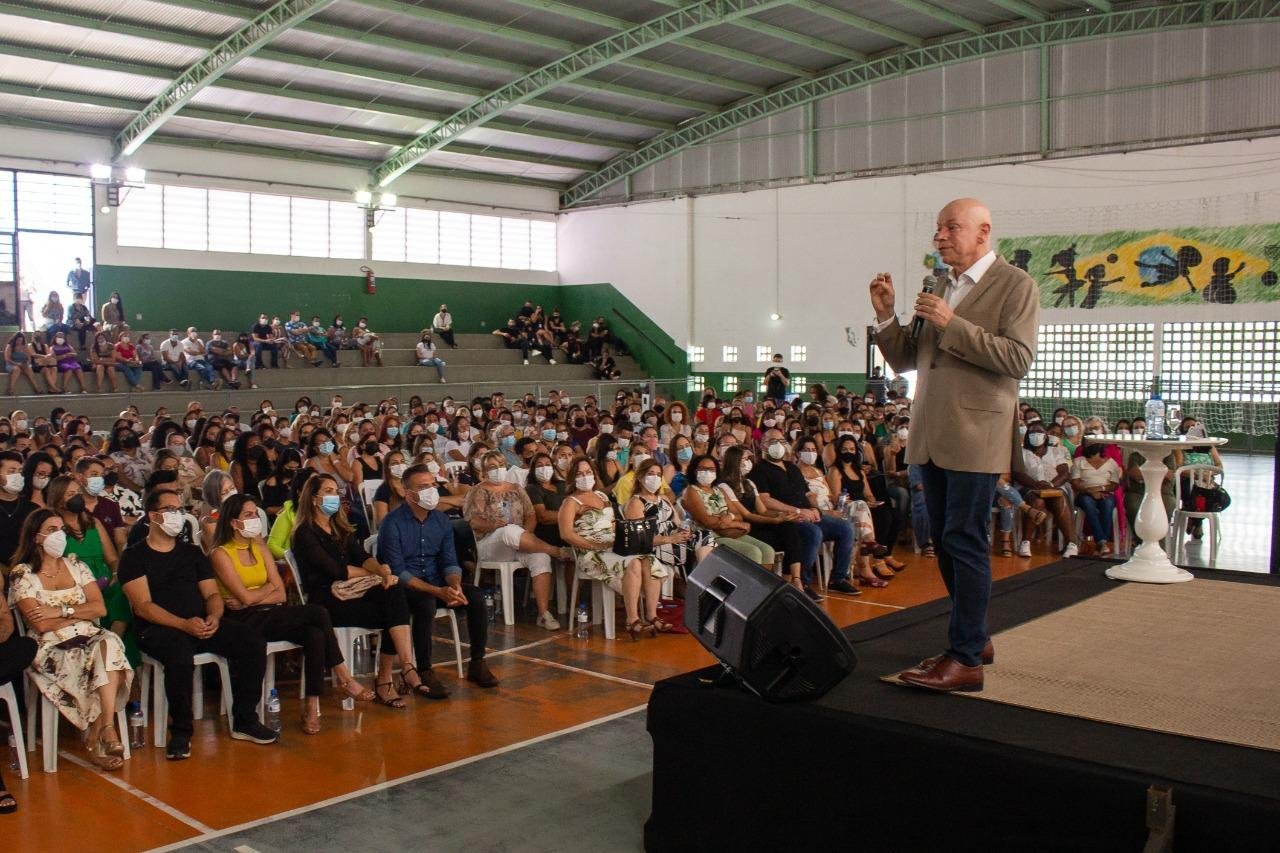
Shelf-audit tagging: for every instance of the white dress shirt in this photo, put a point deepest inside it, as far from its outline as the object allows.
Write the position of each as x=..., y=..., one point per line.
x=442, y=321
x=956, y=289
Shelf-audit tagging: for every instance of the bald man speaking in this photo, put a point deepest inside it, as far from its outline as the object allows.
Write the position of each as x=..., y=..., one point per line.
x=977, y=342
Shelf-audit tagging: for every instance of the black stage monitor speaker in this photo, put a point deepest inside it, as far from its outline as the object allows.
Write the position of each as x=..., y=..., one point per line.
x=776, y=641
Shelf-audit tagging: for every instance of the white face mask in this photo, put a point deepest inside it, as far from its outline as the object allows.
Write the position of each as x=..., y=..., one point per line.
x=624, y=443
x=14, y=482
x=677, y=417
x=745, y=467
x=251, y=528
x=191, y=422
x=433, y=467
x=39, y=482
x=585, y=483
x=639, y=460
x=173, y=522
x=398, y=470
x=606, y=429
x=902, y=433
x=543, y=473
x=55, y=544
x=1035, y=439
x=808, y=457
x=228, y=446
x=20, y=424
x=611, y=454
x=429, y=497
x=652, y=483
x=706, y=478
x=634, y=417
x=777, y=450
x=497, y=475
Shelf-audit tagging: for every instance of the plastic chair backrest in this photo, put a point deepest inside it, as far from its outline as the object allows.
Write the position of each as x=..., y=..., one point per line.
x=1196, y=475
x=292, y=563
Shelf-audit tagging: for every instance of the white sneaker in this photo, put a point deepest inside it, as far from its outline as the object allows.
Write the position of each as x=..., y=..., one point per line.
x=1071, y=551
x=526, y=361
x=551, y=361
x=546, y=620
x=1024, y=550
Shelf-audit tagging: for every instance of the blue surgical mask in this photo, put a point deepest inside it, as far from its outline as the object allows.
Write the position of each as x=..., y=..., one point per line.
x=95, y=485
x=548, y=435
x=326, y=447
x=684, y=454
x=330, y=504
x=392, y=432
x=507, y=442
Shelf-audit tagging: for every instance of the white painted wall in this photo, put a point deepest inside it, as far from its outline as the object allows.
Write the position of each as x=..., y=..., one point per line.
x=828, y=240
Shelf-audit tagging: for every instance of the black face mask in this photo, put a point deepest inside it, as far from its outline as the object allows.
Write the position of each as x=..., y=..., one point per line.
x=110, y=479
x=129, y=442
x=849, y=458
x=75, y=504
x=371, y=447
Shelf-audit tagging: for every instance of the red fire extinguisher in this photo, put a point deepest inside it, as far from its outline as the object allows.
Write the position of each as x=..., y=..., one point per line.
x=370, y=280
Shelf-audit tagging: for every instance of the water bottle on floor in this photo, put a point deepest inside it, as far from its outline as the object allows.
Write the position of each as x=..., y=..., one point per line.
x=13, y=753
x=273, y=710
x=348, y=703
x=497, y=604
x=490, y=606
x=582, y=621
x=137, y=725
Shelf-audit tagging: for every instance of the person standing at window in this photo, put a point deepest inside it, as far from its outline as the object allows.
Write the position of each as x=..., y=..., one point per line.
x=777, y=379
x=78, y=280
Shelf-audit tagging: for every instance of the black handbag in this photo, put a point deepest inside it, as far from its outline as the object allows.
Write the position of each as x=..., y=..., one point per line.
x=634, y=536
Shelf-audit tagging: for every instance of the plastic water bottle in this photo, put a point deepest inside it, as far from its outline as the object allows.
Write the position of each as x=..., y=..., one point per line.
x=1155, y=412
x=13, y=753
x=490, y=606
x=137, y=725
x=348, y=703
x=497, y=603
x=273, y=711
x=583, y=622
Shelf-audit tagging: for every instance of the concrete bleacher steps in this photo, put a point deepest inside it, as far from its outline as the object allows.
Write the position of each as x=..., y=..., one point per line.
x=480, y=365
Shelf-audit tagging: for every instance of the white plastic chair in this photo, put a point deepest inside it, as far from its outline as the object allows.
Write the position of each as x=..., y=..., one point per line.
x=1119, y=542
x=1178, y=525
x=602, y=604
x=367, y=489
x=10, y=697
x=153, y=676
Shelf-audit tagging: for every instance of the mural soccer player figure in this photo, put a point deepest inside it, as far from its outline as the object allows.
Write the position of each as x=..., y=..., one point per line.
x=1219, y=289
x=1021, y=259
x=1066, y=261
x=1094, y=275
x=1168, y=268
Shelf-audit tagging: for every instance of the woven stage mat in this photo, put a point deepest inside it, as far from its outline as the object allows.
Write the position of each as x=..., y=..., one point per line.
x=1200, y=659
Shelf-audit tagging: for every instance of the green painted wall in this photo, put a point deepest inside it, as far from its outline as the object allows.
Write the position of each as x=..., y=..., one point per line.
x=175, y=298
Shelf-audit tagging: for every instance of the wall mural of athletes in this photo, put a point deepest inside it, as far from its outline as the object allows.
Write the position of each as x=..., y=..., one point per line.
x=1133, y=268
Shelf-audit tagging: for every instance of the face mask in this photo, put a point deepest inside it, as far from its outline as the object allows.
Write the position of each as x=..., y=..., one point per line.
x=1072, y=431
x=652, y=483
x=1125, y=432
x=1022, y=430
x=777, y=450
x=700, y=437
x=611, y=454
x=507, y=442
x=330, y=504
x=228, y=446
x=706, y=478
x=808, y=457
x=562, y=435
x=191, y=423
x=95, y=485
x=902, y=433
x=684, y=454
x=251, y=528
x=476, y=413
x=624, y=443
x=326, y=447
x=497, y=475
x=398, y=470
x=543, y=473
x=173, y=339
x=1035, y=439
x=285, y=433
x=1054, y=441
x=39, y=482
x=827, y=425
x=640, y=459
x=562, y=464
x=794, y=433
x=606, y=429
x=13, y=483
x=677, y=417
x=55, y=544
x=428, y=498
x=548, y=435
x=392, y=432
x=585, y=483
x=172, y=522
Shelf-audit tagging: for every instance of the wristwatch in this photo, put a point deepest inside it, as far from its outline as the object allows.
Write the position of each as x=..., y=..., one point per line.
x=68, y=611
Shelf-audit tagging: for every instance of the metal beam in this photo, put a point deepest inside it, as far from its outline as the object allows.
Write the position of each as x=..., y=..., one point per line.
x=427, y=85
x=960, y=22
x=244, y=42
x=1182, y=15
x=660, y=30
x=780, y=33
x=1021, y=9
x=859, y=22
x=489, y=63
x=308, y=96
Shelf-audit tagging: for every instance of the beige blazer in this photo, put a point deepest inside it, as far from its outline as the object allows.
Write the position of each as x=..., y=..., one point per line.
x=966, y=397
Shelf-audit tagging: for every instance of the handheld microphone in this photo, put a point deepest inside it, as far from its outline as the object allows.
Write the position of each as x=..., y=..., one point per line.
x=930, y=286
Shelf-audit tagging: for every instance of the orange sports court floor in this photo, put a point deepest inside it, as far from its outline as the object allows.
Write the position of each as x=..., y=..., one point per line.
x=552, y=685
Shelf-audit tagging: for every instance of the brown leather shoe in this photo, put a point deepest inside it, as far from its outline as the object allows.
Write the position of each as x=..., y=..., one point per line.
x=947, y=675
x=478, y=673
x=988, y=658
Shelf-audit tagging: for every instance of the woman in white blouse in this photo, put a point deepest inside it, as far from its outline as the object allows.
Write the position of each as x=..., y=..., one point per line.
x=1094, y=478
x=1046, y=471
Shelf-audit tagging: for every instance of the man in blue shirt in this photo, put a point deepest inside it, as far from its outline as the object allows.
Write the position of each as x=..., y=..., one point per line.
x=416, y=541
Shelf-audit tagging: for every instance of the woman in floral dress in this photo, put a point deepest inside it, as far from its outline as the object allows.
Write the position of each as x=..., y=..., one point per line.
x=79, y=666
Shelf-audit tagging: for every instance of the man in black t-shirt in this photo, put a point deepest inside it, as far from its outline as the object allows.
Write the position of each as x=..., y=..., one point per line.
x=175, y=599
x=264, y=340
x=777, y=379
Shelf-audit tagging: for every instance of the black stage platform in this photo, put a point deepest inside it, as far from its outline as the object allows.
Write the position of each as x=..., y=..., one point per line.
x=872, y=766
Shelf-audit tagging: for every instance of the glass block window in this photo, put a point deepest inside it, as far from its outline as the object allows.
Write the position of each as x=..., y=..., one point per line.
x=764, y=353
x=1221, y=362
x=799, y=384
x=696, y=384
x=1109, y=361
x=731, y=384
x=730, y=355
x=697, y=354
x=799, y=353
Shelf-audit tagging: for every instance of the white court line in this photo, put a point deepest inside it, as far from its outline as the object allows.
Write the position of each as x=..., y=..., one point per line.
x=496, y=652
x=137, y=792
x=210, y=834
x=582, y=671
x=849, y=599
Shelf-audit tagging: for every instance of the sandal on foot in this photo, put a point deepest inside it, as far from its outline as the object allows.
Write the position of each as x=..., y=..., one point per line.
x=928, y=551
x=876, y=583
x=661, y=626
x=881, y=570
x=640, y=627
x=101, y=759
x=357, y=691
x=310, y=723
x=394, y=702
x=421, y=688
x=8, y=805
x=111, y=745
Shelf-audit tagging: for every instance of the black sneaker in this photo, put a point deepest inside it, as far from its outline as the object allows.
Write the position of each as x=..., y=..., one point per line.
x=843, y=586
x=813, y=594
x=256, y=732
x=178, y=748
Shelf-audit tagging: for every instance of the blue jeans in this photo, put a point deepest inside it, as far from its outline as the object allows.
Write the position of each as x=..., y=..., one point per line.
x=1010, y=494
x=959, y=506
x=1098, y=514
x=202, y=367
x=132, y=374
x=812, y=535
x=437, y=363
x=919, y=513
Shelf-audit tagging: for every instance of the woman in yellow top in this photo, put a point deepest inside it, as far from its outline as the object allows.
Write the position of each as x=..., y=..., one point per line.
x=254, y=594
